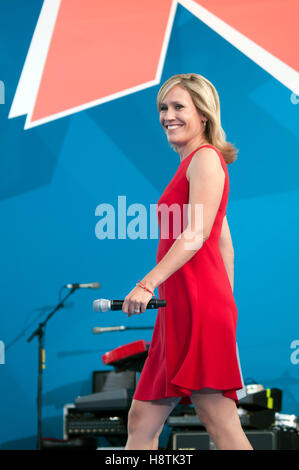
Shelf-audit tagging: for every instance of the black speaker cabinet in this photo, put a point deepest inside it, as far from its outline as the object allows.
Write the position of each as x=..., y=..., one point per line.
x=193, y=440
x=105, y=381
x=260, y=440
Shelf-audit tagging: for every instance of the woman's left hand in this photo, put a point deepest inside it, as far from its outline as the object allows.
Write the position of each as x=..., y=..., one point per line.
x=137, y=299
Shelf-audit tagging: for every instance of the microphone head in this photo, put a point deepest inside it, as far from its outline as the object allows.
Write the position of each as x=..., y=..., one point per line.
x=96, y=330
x=101, y=305
x=95, y=285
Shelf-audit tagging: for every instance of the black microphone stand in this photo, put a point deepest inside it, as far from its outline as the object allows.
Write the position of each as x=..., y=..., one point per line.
x=41, y=363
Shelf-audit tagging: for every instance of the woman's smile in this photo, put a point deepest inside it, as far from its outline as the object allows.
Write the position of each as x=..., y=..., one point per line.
x=173, y=127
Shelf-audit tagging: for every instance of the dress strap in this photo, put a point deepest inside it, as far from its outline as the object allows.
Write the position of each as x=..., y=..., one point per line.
x=205, y=145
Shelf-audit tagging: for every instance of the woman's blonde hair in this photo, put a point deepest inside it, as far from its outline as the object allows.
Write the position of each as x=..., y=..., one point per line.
x=206, y=100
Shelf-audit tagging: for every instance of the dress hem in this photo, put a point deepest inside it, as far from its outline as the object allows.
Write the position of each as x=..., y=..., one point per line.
x=192, y=390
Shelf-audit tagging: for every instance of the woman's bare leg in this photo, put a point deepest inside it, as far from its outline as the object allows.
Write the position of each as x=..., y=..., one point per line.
x=146, y=420
x=219, y=415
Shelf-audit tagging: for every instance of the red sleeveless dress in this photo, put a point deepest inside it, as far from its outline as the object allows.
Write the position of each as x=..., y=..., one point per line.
x=193, y=344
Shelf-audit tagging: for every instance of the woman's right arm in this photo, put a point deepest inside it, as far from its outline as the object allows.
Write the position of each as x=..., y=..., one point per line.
x=227, y=250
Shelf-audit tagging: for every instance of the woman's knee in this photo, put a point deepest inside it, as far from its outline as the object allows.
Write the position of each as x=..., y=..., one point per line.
x=141, y=421
x=213, y=408
x=202, y=413
x=135, y=420
x=149, y=417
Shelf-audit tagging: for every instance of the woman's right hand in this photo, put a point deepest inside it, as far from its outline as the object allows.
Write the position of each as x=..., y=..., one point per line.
x=137, y=299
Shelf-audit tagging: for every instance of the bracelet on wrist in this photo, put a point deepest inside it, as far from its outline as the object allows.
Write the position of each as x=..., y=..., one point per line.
x=140, y=284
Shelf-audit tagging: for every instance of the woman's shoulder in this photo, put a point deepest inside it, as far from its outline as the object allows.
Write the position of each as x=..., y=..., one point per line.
x=206, y=158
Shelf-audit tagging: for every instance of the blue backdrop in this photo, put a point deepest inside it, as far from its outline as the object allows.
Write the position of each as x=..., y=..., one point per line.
x=55, y=175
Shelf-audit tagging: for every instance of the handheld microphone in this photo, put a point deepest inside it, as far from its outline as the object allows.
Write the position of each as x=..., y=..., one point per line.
x=102, y=305
x=91, y=285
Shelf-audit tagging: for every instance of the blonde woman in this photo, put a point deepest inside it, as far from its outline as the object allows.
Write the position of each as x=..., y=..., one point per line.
x=193, y=356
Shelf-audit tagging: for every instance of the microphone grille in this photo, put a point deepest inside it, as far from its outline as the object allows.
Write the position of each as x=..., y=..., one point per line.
x=101, y=305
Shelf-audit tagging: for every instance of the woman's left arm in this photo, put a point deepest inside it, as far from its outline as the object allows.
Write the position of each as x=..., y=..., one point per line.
x=206, y=178
x=206, y=185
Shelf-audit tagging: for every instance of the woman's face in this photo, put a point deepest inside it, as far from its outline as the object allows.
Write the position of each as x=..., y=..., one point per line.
x=177, y=109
